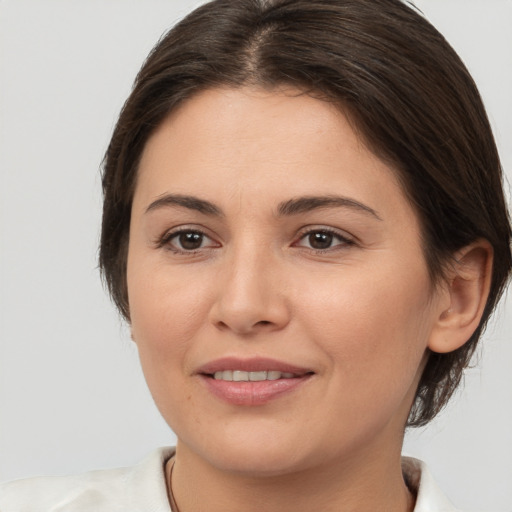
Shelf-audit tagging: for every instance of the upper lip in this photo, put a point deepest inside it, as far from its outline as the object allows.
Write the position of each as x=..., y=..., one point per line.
x=255, y=364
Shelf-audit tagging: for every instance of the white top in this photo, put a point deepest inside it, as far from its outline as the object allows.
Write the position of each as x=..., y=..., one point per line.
x=142, y=488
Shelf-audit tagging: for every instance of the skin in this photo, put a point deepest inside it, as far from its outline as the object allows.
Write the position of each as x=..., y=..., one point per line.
x=360, y=312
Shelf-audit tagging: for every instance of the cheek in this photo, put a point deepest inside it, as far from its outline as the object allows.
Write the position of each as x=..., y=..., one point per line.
x=373, y=326
x=166, y=310
x=376, y=338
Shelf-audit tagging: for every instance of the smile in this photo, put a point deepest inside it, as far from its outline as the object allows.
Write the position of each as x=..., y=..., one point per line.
x=243, y=376
x=252, y=382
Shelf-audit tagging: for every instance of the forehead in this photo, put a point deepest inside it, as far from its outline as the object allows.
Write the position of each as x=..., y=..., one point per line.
x=248, y=122
x=251, y=142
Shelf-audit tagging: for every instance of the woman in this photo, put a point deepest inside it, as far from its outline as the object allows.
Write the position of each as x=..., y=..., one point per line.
x=305, y=229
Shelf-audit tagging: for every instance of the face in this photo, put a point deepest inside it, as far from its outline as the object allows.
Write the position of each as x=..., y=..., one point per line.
x=278, y=292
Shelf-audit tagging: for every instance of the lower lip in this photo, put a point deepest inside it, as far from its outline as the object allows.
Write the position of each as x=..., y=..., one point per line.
x=253, y=393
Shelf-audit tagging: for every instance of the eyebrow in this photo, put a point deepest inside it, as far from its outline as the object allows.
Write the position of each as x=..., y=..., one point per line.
x=309, y=203
x=190, y=202
x=288, y=208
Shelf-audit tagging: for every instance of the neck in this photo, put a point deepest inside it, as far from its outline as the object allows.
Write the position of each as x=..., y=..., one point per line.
x=368, y=484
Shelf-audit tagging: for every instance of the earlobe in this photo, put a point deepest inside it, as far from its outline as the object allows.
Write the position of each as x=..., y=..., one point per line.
x=467, y=287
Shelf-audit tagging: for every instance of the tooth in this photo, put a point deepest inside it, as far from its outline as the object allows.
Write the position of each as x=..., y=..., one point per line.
x=242, y=376
x=257, y=376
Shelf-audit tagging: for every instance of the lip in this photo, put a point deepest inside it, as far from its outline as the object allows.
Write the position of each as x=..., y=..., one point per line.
x=255, y=364
x=247, y=393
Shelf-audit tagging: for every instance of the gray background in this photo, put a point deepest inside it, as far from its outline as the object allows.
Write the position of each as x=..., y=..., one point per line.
x=72, y=396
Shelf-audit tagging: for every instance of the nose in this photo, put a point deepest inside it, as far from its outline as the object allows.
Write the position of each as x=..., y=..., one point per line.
x=251, y=295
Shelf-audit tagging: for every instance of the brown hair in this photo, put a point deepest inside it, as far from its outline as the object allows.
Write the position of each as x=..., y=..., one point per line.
x=405, y=89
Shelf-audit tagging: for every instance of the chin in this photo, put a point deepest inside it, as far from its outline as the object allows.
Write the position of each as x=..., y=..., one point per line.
x=259, y=455
x=261, y=464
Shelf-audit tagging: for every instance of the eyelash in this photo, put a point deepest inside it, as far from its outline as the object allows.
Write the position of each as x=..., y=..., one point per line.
x=344, y=240
x=166, y=240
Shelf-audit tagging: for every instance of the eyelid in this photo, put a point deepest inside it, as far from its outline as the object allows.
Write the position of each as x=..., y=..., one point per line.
x=345, y=238
x=164, y=241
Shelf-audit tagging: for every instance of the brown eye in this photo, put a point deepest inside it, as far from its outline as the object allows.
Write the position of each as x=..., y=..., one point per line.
x=190, y=241
x=186, y=240
x=323, y=240
x=320, y=240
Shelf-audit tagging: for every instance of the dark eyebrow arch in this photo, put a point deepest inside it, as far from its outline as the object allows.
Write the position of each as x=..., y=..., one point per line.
x=190, y=202
x=308, y=203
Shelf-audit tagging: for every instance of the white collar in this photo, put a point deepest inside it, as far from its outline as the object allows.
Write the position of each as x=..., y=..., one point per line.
x=429, y=496
x=143, y=488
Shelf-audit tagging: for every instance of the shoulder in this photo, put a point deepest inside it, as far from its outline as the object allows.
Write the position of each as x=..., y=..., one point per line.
x=138, y=488
x=429, y=497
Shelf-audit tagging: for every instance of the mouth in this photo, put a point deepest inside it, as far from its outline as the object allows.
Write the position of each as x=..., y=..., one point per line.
x=259, y=369
x=252, y=382
x=243, y=376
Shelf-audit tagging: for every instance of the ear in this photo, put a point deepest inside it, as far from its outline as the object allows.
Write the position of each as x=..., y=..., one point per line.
x=466, y=290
